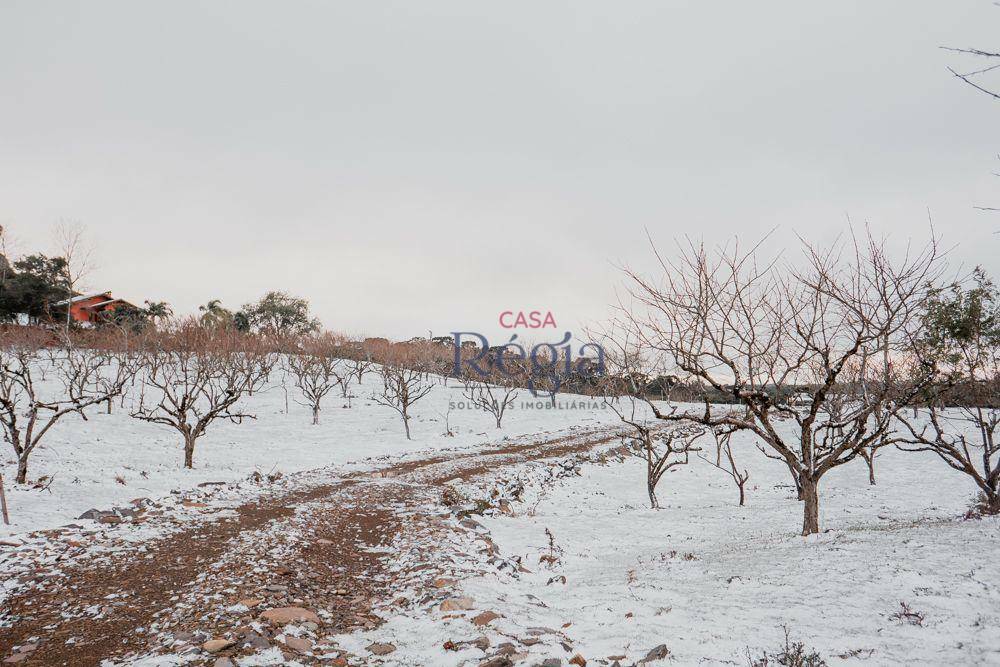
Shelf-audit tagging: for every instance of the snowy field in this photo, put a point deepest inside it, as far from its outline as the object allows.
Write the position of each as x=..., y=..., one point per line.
x=706, y=578
x=81, y=461
x=710, y=579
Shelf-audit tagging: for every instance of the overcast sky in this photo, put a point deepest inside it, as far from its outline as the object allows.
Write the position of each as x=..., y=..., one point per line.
x=414, y=166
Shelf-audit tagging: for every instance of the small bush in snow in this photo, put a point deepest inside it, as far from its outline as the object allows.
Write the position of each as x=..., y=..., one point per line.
x=553, y=557
x=793, y=654
x=908, y=615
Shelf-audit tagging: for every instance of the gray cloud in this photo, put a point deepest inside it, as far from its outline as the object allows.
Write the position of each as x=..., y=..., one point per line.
x=423, y=166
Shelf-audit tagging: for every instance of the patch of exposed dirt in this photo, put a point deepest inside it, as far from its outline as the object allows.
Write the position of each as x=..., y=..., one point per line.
x=321, y=548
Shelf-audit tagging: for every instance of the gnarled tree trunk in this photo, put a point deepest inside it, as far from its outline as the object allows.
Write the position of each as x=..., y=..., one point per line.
x=189, y=441
x=22, y=469
x=810, y=506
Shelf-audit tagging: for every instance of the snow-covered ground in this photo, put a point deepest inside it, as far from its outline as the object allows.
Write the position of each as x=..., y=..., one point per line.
x=83, y=460
x=706, y=578
x=710, y=579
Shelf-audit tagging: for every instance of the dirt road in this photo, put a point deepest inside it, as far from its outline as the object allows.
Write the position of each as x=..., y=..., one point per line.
x=324, y=550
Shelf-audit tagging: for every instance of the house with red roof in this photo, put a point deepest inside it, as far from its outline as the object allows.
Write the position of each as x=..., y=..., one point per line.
x=91, y=309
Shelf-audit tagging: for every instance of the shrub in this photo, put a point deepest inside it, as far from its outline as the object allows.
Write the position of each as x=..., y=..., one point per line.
x=793, y=654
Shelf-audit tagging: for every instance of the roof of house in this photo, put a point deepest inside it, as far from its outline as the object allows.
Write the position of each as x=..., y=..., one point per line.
x=106, y=302
x=83, y=297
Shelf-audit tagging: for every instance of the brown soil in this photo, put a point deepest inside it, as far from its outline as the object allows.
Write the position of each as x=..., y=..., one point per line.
x=327, y=559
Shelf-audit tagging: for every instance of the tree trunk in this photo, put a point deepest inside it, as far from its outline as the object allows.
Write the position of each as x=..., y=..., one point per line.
x=189, y=451
x=651, y=488
x=810, y=508
x=992, y=501
x=315, y=415
x=3, y=503
x=109, y=405
x=742, y=495
x=870, y=460
x=406, y=425
x=22, y=469
x=798, y=482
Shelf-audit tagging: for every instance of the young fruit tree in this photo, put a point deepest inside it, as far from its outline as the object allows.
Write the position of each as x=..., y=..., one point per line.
x=29, y=405
x=402, y=386
x=663, y=448
x=314, y=370
x=723, y=437
x=961, y=339
x=776, y=337
x=84, y=363
x=193, y=376
x=877, y=369
x=358, y=367
x=493, y=395
x=626, y=387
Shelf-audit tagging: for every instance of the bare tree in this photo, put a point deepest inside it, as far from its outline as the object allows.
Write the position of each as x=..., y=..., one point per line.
x=343, y=376
x=7, y=244
x=974, y=77
x=448, y=433
x=875, y=369
x=974, y=454
x=197, y=375
x=663, y=448
x=401, y=388
x=765, y=332
x=723, y=445
x=85, y=362
x=71, y=240
x=359, y=367
x=314, y=370
x=626, y=387
x=493, y=396
x=3, y=503
x=27, y=413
